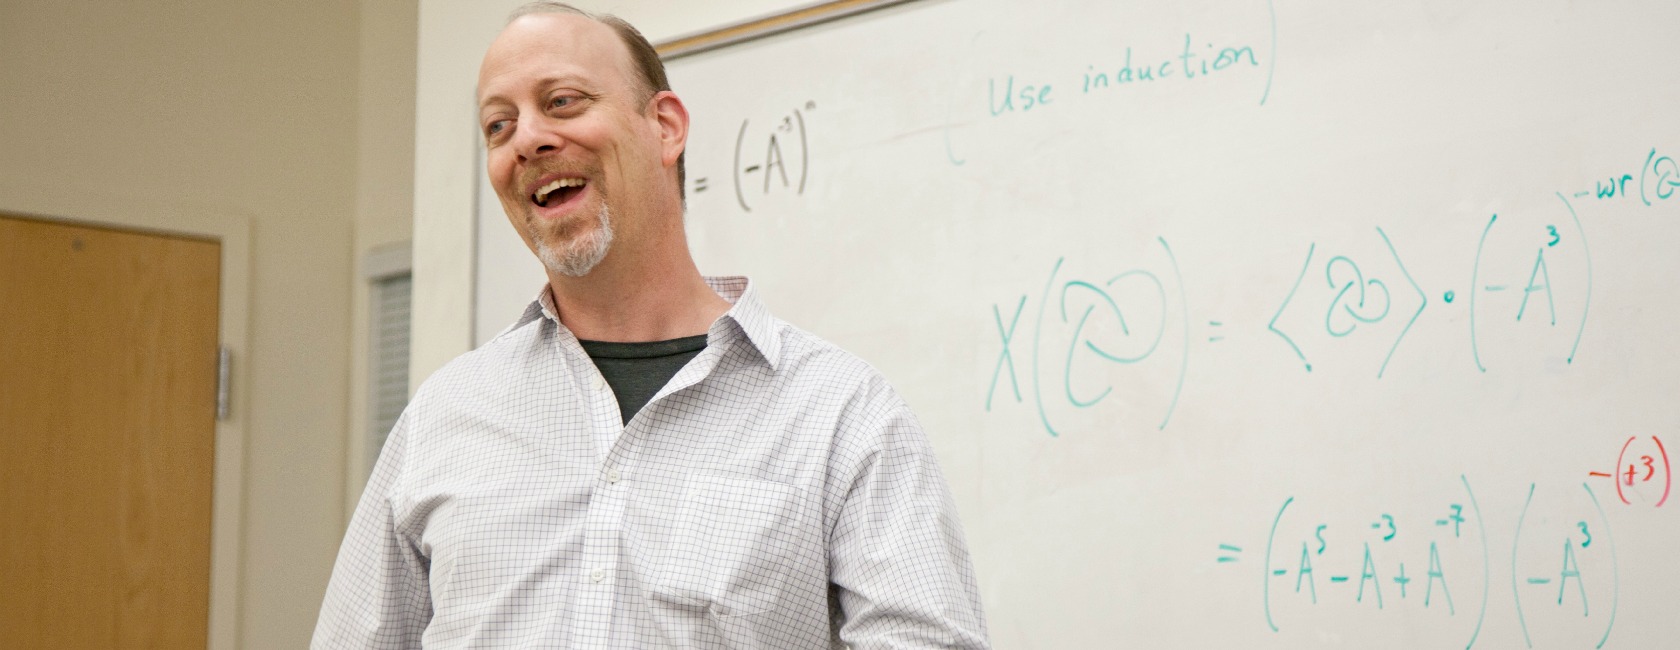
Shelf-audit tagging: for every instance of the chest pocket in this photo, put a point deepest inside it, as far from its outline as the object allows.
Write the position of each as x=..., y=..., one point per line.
x=732, y=544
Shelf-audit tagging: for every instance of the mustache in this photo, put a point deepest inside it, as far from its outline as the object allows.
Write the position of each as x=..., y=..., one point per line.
x=535, y=172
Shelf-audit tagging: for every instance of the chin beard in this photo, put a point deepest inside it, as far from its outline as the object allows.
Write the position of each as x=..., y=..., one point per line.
x=576, y=258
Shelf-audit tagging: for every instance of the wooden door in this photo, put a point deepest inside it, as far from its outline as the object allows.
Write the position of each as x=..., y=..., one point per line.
x=108, y=343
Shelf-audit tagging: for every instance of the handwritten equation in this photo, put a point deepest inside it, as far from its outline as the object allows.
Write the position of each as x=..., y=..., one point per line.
x=1658, y=180
x=1359, y=300
x=1533, y=287
x=1641, y=466
x=1089, y=330
x=1364, y=292
x=1528, y=286
x=1564, y=576
x=784, y=167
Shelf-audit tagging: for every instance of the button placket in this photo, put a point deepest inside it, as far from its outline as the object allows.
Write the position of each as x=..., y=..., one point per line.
x=604, y=521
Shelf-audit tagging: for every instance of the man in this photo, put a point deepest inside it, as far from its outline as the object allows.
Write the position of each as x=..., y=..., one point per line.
x=646, y=458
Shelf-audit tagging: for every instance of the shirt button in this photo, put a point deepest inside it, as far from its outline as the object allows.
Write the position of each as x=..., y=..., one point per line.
x=612, y=476
x=598, y=575
x=600, y=382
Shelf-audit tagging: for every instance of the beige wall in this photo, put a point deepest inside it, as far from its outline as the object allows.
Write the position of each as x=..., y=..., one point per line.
x=285, y=127
x=384, y=192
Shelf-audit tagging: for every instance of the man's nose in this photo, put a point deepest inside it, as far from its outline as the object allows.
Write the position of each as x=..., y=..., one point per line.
x=536, y=137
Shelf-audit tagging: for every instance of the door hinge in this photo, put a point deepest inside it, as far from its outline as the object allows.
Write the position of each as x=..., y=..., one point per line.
x=224, y=380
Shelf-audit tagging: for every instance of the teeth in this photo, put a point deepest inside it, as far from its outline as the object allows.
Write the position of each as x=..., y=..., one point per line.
x=542, y=193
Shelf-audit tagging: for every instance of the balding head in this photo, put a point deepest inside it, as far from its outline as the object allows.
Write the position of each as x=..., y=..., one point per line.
x=645, y=64
x=558, y=43
x=645, y=59
x=580, y=149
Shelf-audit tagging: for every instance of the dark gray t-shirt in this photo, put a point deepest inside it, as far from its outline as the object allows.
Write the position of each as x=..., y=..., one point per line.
x=638, y=370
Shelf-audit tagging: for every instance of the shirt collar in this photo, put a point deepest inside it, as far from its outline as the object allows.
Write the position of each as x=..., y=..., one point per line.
x=747, y=312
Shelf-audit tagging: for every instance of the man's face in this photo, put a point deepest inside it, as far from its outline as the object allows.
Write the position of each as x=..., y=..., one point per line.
x=568, y=135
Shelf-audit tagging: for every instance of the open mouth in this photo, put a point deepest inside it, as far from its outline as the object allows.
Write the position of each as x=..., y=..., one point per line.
x=557, y=191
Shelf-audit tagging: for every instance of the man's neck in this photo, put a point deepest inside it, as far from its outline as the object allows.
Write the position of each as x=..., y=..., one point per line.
x=654, y=293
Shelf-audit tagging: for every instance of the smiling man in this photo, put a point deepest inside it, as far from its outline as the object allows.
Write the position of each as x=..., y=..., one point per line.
x=646, y=458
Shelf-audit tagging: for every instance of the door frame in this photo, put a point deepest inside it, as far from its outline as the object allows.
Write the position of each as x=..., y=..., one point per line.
x=233, y=231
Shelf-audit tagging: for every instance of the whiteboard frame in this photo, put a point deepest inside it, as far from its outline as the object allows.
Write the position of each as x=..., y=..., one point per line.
x=787, y=21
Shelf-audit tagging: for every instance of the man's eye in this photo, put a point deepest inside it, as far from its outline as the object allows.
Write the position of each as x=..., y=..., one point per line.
x=495, y=127
x=562, y=101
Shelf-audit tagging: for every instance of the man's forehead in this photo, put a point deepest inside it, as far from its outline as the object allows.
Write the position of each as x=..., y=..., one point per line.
x=552, y=45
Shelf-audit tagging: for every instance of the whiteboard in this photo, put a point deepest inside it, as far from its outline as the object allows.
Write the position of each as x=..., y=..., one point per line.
x=1238, y=324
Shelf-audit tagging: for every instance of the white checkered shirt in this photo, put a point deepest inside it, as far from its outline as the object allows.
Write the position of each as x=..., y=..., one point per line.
x=777, y=493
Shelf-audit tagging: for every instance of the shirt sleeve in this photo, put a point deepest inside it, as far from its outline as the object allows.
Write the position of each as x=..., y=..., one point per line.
x=897, y=557
x=379, y=596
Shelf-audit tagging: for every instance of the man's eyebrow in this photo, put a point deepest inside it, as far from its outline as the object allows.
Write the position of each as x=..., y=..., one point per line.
x=544, y=83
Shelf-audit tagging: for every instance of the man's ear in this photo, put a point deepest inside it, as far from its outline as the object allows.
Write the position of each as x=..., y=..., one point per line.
x=672, y=117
